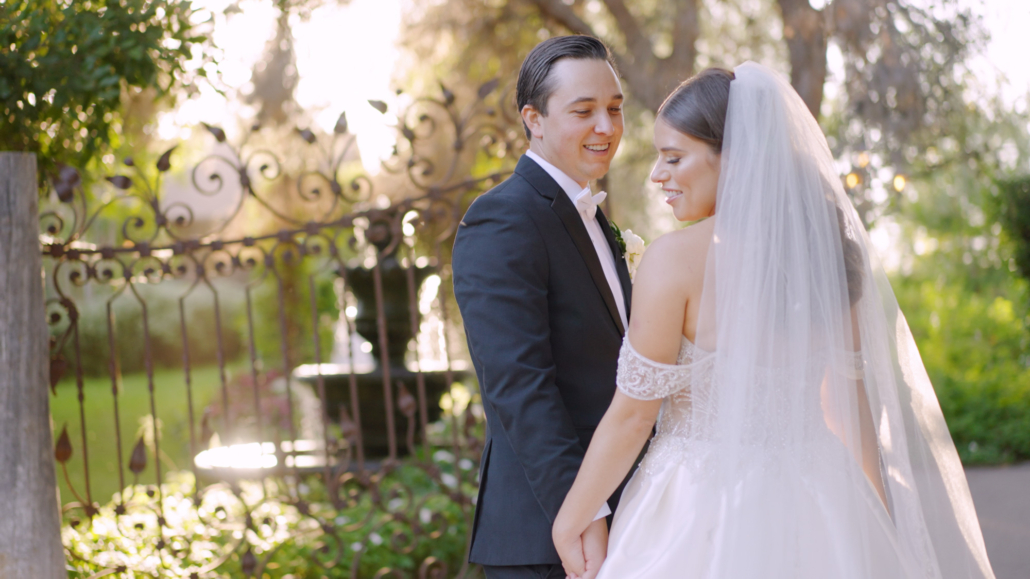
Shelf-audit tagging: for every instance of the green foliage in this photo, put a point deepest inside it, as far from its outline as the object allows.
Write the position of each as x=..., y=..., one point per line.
x=958, y=285
x=372, y=532
x=1014, y=216
x=976, y=349
x=65, y=64
x=291, y=286
x=164, y=324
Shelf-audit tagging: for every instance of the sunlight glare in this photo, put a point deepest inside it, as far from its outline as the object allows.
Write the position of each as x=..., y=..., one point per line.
x=247, y=456
x=346, y=55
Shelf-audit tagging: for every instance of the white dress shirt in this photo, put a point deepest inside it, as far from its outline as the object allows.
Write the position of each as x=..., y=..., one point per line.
x=604, y=251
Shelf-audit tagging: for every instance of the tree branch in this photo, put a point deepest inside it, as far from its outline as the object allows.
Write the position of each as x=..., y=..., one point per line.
x=650, y=78
x=637, y=43
x=684, y=36
x=562, y=14
x=804, y=28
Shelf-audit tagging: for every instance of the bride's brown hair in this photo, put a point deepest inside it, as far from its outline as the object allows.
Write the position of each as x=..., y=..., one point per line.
x=697, y=108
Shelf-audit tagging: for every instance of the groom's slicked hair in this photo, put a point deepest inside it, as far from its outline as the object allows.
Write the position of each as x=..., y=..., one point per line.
x=535, y=85
x=697, y=107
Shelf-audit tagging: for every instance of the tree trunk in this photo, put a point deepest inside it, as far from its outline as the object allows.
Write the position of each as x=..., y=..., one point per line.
x=650, y=77
x=30, y=523
x=804, y=28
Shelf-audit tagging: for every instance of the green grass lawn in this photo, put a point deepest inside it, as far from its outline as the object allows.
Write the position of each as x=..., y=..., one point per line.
x=134, y=411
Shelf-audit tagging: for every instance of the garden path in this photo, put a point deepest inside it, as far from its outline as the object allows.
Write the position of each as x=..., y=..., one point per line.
x=1002, y=499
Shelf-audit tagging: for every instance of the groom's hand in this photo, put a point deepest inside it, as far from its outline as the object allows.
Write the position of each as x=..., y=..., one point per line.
x=595, y=547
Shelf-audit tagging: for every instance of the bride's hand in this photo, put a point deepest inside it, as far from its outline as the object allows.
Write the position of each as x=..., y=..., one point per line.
x=569, y=544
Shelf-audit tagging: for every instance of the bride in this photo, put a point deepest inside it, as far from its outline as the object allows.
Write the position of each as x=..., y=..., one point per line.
x=798, y=434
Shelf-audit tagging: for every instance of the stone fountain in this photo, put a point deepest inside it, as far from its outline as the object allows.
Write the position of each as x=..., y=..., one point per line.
x=367, y=366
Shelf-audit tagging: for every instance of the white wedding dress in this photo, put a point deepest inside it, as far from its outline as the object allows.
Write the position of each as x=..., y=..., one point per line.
x=802, y=395
x=667, y=524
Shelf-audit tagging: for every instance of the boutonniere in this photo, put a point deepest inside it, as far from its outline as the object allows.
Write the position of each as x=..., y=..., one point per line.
x=632, y=246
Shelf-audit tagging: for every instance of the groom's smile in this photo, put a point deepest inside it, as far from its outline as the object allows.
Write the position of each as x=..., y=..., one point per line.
x=582, y=126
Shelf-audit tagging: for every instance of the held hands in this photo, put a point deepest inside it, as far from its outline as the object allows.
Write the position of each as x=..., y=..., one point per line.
x=581, y=553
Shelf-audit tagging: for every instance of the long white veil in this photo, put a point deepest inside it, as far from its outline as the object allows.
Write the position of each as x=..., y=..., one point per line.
x=835, y=458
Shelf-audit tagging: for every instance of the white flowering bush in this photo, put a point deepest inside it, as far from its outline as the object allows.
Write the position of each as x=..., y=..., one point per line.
x=236, y=529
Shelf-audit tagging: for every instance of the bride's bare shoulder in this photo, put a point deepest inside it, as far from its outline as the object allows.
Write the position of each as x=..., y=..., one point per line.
x=678, y=256
x=683, y=246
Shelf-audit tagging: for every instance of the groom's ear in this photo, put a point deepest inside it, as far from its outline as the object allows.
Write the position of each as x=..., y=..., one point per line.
x=533, y=121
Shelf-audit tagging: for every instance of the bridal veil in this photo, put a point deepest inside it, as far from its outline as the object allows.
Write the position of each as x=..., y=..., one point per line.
x=818, y=385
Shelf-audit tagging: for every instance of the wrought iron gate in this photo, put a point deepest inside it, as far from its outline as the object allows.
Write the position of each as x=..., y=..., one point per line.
x=342, y=433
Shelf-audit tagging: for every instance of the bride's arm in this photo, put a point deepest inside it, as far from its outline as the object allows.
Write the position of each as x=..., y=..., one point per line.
x=655, y=333
x=870, y=445
x=867, y=427
x=867, y=452
x=615, y=445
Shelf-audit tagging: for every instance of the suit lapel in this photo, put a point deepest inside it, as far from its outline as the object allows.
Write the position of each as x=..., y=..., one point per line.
x=566, y=211
x=620, y=262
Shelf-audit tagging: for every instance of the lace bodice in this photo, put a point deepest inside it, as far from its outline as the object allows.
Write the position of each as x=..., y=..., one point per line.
x=686, y=387
x=687, y=415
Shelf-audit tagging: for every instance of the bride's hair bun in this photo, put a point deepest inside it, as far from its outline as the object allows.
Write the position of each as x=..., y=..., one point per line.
x=697, y=107
x=854, y=260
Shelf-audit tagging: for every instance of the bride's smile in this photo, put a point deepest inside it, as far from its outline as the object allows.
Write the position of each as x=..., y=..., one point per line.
x=688, y=171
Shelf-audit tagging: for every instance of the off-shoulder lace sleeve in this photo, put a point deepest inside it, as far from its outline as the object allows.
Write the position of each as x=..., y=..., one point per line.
x=645, y=379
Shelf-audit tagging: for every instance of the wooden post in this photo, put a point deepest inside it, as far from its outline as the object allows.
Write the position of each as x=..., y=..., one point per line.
x=30, y=522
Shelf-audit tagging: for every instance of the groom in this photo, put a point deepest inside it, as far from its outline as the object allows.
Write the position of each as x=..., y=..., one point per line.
x=544, y=293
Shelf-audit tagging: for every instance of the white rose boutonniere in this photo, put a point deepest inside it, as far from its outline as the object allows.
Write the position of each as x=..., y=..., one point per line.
x=632, y=246
x=634, y=251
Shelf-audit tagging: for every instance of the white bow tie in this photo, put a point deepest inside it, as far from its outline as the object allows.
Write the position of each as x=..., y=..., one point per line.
x=586, y=203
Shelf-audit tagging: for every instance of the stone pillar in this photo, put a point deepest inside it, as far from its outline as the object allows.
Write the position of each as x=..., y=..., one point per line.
x=30, y=522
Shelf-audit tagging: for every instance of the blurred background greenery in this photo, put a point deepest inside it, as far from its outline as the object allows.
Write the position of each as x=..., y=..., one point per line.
x=932, y=150
x=931, y=138
x=924, y=104
x=932, y=143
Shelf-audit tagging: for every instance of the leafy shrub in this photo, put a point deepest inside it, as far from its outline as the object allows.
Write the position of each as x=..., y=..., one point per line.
x=371, y=532
x=296, y=306
x=164, y=323
x=976, y=349
x=64, y=64
x=164, y=326
x=969, y=309
x=1014, y=215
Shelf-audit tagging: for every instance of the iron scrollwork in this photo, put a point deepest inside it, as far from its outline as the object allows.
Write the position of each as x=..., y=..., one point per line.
x=289, y=227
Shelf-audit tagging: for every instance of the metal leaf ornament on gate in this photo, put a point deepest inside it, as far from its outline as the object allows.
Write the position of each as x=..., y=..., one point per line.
x=269, y=342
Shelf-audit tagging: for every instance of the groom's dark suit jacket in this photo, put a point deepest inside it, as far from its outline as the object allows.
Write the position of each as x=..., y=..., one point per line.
x=544, y=333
